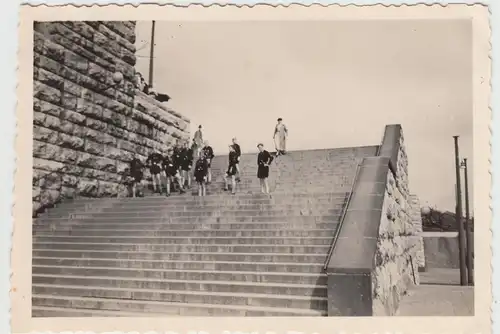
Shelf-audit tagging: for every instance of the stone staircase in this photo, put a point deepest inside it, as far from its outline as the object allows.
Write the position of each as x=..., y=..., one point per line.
x=247, y=254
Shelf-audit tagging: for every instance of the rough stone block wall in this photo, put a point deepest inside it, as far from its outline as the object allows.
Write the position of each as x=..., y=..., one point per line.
x=86, y=127
x=395, y=264
x=416, y=218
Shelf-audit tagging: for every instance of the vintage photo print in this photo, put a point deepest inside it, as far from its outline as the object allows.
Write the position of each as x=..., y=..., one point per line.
x=286, y=168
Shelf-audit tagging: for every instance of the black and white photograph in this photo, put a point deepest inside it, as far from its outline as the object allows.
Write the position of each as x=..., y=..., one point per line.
x=246, y=168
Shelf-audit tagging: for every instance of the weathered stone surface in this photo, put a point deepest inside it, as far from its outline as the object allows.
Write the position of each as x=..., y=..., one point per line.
x=396, y=259
x=416, y=218
x=86, y=128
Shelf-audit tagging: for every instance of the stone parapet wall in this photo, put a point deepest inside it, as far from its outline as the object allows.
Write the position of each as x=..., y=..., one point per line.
x=416, y=218
x=86, y=127
x=396, y=266
x=374, y=260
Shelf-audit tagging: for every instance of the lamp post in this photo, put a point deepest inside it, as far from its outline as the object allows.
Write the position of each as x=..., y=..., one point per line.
x=468, y=227
x=151, y=55
x=458, y=217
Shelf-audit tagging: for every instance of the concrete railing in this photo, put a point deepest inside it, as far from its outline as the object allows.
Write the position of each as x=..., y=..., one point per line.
x=372, y=264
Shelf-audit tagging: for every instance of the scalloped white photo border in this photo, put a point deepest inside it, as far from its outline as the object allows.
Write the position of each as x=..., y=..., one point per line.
x=8, y=29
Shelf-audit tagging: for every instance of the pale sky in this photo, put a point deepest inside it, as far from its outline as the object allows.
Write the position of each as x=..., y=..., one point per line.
x=334, y=83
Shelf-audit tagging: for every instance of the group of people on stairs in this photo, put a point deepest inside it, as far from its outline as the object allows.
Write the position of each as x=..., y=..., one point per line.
x=177, y=164
x=174, y=167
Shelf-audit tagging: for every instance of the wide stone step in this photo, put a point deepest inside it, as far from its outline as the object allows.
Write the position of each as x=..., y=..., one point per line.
x=182, y=285
x=226, y=196
x=292, y=267
x=180, y=256
x=290, y=162
x=197, y=297
x=60, y=312
x=200, y=219
x=260, y=248
x=168, y=308
x=189, y=227
x=225, y=200
x=187, y=199
x=291, y=158
x=218, y=207
x=284, y=189
x=200, y=204
x=223, y=212
x=176, y=240
x=299, y=174
x=217, y=201
x=189, y=275
x=276, y=233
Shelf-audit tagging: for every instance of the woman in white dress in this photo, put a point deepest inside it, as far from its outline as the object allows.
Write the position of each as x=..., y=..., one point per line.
x=198, y=142
x=280, y=135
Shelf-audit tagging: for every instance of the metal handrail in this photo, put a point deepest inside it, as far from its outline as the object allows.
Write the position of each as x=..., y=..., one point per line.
x=341, y=222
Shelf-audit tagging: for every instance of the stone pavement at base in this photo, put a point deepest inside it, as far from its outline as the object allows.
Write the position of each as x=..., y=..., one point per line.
x=439, y=294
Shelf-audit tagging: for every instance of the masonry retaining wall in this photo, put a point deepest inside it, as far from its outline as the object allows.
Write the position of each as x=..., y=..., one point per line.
x=374, y=261
x=86, y=127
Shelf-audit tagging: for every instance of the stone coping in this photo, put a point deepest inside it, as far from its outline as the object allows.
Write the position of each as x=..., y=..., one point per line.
x=353, y=259
x=390, y=145
x=356, y=243
x=438, y=234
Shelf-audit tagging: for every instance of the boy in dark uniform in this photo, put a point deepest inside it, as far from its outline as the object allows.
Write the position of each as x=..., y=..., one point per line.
x=128, y=180
x=186, y=164
x=171, y=171
x=237, y=149
x=154, y=162
x=200, y=174
x=136, y=173
x=208, y=153
x=231, y=170
x=176, y=156
x=264, y=159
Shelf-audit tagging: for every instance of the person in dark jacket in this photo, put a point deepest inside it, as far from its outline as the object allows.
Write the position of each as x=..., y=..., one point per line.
x=154, y=162
x=186, y=164
x=264, y=160
x=231, y=170
x=171, y=171
x=200, y=174
x=176, y=156
x=128, y=181
x=133, y=176
x=208, y=153
x=237, y=149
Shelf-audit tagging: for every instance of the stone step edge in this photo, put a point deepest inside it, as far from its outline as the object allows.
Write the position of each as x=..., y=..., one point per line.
x=97, y=312
x=177, y=237
x=239, y=272
x=186, y=305
x=144, y=279
x=82, y=226
x=176, y=253
x=309, y=230
x=245, y=195
x=136, y=244
x=91, y=216
x=184, y=292
x=192, y=213
x=309, y=264
x=210, y=209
